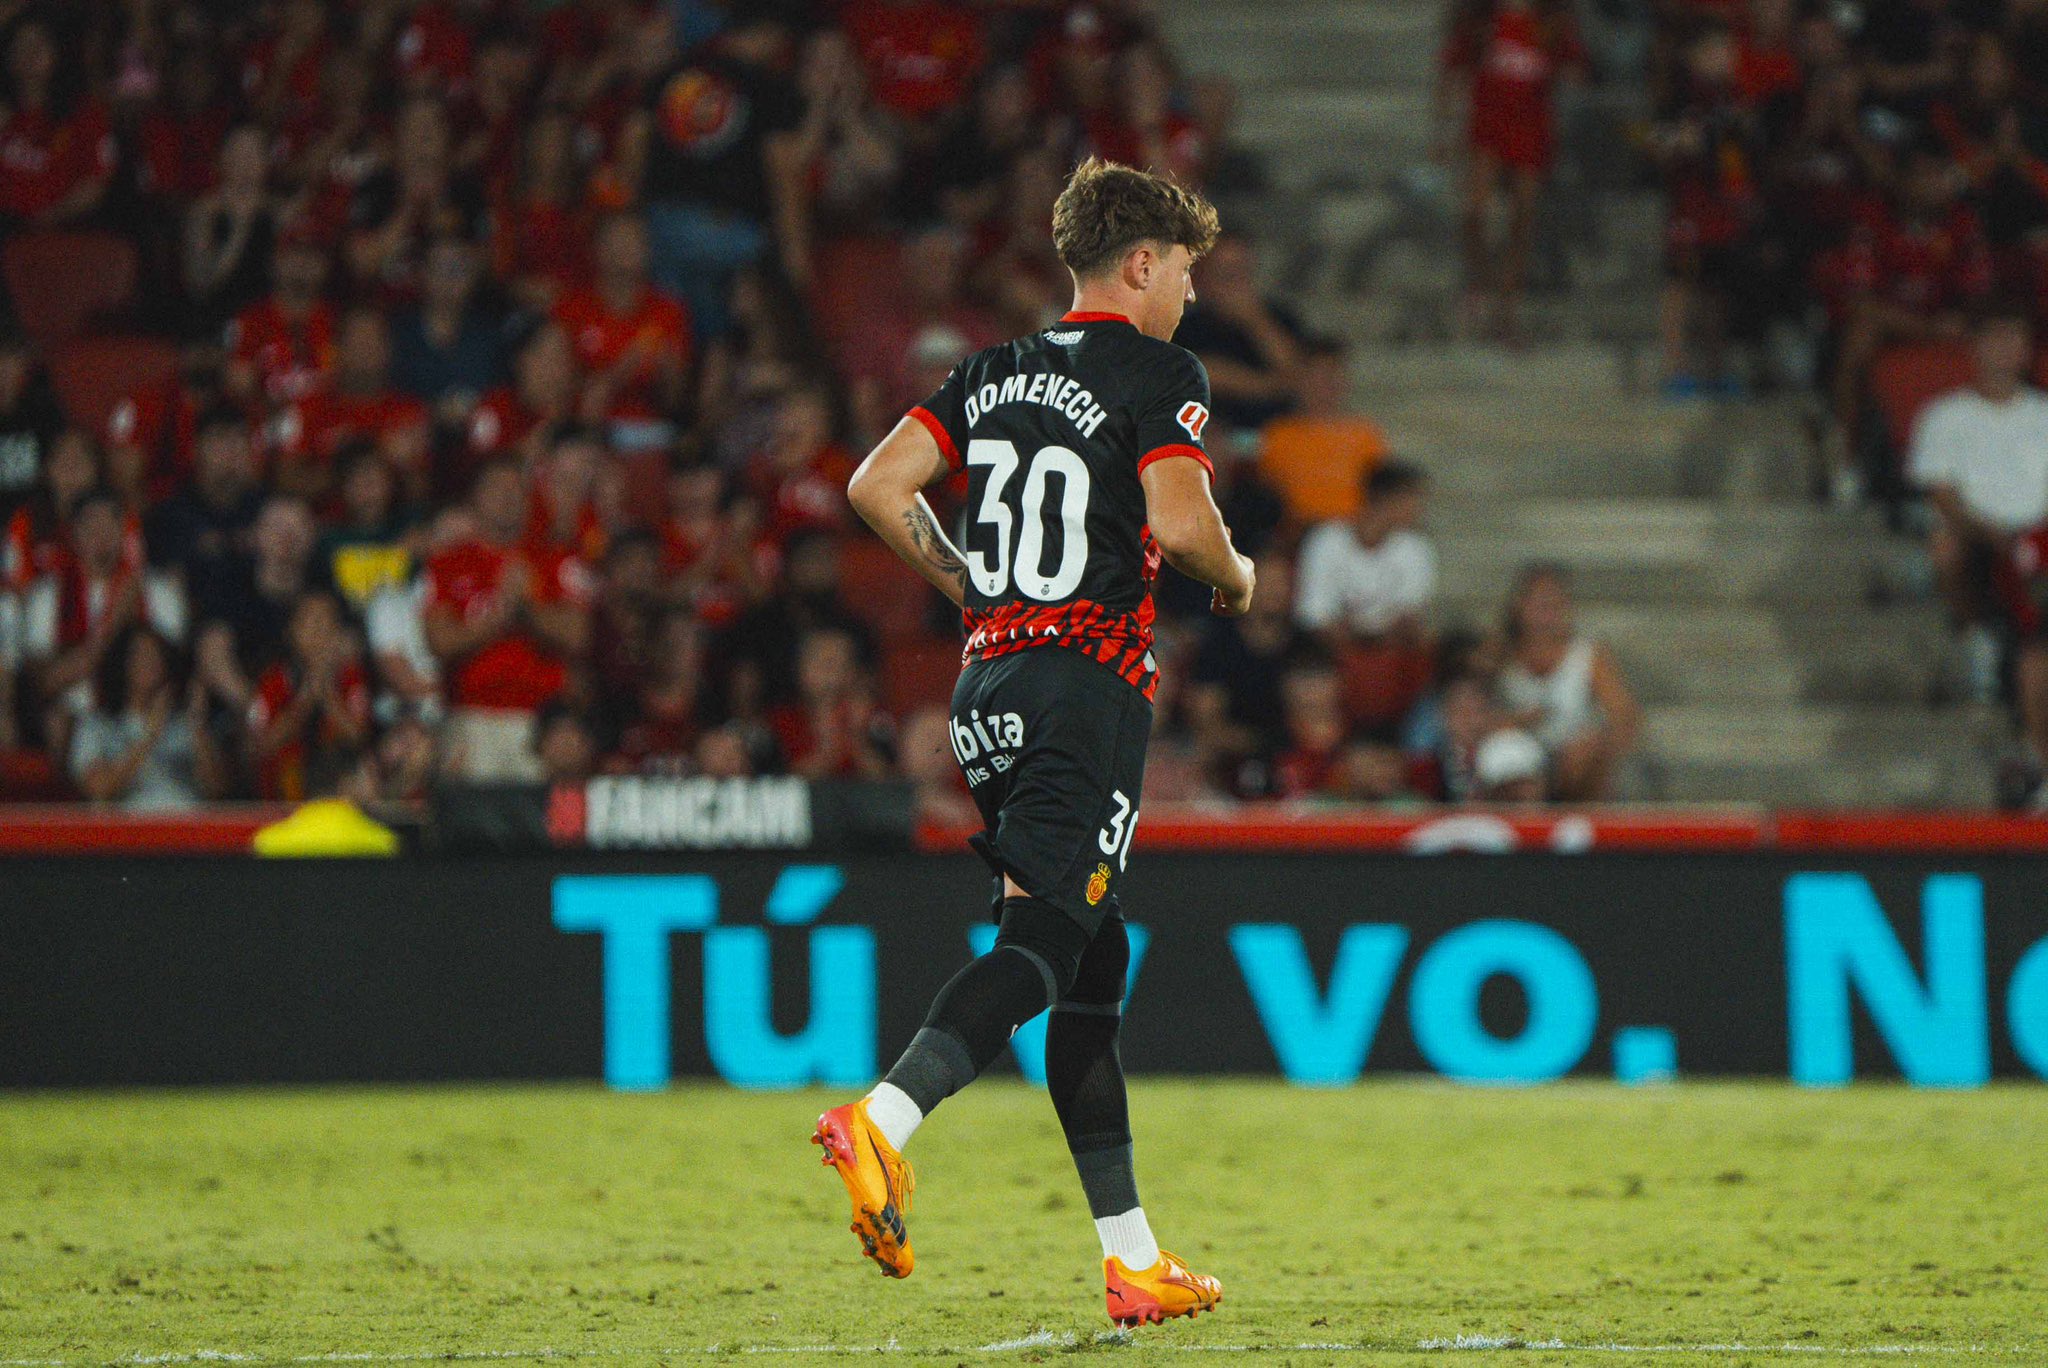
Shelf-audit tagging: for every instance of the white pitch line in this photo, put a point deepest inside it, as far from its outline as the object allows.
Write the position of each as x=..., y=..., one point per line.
x=1042, y=1339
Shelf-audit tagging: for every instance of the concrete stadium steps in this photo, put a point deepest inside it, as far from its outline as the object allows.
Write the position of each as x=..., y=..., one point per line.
x=1742, y=613
x=1484, y=450
x=1835, y=756
x=1668, y=549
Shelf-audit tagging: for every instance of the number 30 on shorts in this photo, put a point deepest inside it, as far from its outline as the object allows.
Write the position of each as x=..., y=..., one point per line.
x=1115, y=839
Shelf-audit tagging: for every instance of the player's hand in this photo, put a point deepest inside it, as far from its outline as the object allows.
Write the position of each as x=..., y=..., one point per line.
x=1236, y=601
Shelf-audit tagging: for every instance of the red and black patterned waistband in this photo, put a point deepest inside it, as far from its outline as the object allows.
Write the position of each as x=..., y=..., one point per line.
x=1122, y=640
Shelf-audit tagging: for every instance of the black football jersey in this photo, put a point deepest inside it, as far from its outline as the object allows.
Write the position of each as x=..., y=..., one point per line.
x=1052, y=430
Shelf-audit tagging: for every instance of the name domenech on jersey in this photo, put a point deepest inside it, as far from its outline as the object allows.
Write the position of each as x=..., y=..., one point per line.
x=1054, y=391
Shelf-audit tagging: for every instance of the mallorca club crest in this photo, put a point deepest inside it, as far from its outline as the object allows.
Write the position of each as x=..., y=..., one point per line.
x=1098, y=884
x=1194, y=417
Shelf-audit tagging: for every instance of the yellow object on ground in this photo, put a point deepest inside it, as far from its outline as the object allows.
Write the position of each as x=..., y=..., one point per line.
x=326, y=827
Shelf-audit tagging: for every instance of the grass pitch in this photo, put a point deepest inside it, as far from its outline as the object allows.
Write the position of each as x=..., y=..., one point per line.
x=1375, y=1224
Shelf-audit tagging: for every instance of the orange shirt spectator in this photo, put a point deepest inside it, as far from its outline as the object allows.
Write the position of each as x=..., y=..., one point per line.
x=1318, y=464
x=1317, y=457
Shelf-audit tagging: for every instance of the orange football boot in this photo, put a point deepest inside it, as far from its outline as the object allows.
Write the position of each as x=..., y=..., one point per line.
x=877, y=1178
x=1161, y=1292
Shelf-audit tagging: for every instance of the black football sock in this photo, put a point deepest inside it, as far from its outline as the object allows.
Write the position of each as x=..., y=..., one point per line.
x=1086, y=1079
x=1084, y=1072
x=1033, y=962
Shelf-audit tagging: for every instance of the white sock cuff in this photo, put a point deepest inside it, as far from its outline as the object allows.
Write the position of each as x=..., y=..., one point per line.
x=1128, y=1236
x=894, y=1114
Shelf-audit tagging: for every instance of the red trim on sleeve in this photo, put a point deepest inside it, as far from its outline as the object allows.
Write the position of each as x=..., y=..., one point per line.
x=1193, y=453
x=939, y=434
x=1093, y=318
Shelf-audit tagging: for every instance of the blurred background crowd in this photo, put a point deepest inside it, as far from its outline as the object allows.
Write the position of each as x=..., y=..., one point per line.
x=402, y=390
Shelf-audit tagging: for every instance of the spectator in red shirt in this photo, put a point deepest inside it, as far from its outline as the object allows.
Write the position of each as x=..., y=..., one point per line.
x=490, y=120
x=1312, y=721
x=1143, y=128
x=631, y=339
x=357, y=404
x=180, y=136
x=920, y=55
x=281, y=74
x=799, y=477
x=708, y=555
x=1913, y=263
x=541, y=228
x=327, y=152
x=519, y=421
x=56, y=147
x=71, y=615
x=311, y=710
x=1502, y=64
x=1767, y=64
x=434, y=50
x=834, y=728
x=39, y=528
x=507, y=625
x=1708, y=150
x=565, y=516
x=281, y=348
x=666, y=713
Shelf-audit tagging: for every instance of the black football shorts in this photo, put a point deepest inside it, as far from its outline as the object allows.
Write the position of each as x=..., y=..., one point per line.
x=1053, y=747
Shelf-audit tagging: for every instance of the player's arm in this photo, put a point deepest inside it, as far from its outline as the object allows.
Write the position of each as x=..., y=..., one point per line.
x=886, y=492
x=1189, y=529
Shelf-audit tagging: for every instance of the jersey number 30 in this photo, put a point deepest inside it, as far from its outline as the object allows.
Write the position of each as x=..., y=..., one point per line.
x=992, y=576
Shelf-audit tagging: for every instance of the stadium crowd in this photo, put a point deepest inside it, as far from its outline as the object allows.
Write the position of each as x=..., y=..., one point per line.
x=1874, y=177
x=407, y=389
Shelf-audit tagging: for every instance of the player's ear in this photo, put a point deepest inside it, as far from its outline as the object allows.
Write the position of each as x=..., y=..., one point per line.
x=1140, y=264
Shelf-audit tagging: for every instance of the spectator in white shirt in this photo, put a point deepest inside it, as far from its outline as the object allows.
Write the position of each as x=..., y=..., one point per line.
x=1365, y=585
x=1373, y=574
x=1981, y=455
x=145, y=746
x=1564, y=688
x=71, y=616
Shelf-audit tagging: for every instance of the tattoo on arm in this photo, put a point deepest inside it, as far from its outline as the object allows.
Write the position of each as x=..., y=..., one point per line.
x=932, y=544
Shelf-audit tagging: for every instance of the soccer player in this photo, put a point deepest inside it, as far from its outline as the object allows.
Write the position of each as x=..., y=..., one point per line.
x=1083, y=449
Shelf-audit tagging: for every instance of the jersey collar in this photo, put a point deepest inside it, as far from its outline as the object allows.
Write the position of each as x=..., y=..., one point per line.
x=1095, y=318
